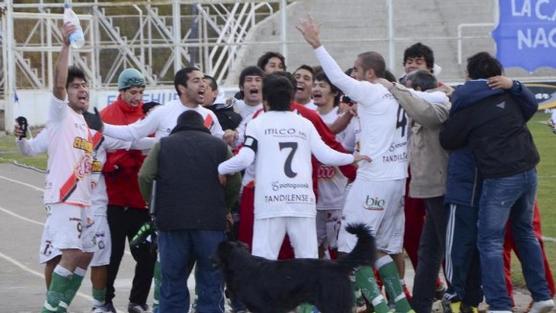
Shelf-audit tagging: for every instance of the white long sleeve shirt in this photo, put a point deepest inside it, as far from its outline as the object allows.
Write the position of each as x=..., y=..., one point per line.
x=384, y=124
x=99, y=197
x=161, y=121
x=283, y=143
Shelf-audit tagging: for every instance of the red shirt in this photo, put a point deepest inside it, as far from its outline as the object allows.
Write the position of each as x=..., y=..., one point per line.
x=328, y=137
x=122, y=167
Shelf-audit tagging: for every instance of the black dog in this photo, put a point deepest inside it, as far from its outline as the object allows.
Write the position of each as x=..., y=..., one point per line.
x=266, y=286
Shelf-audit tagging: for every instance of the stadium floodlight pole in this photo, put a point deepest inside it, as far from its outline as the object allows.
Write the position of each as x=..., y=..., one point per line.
x=391, y=51
x=10, y=79
x=176, y=25
x=284, y=18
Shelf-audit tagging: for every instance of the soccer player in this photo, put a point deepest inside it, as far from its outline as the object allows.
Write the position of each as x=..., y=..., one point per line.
x=67, y=195
x=49, y=255
x=331, y=182
x=250, y=85
x=190, y=86
x=304, y=75
x=282, y=143
x=376, y=196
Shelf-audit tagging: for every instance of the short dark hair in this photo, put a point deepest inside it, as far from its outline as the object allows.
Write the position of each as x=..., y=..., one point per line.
x=420, y=50
x=182, y=75
x=149, y=106
x=389, y=76
x=290, y=77
x=321, y=76
x=249, y=71
x=422, y=79
x=375, y=61
x=73, y=73
x=278, y=92
x=263, y=59
x=212, y=82
x=483, y=65
x=306, y=67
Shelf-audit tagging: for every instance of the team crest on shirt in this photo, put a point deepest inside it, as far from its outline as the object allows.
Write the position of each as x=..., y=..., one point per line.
x=84, y=166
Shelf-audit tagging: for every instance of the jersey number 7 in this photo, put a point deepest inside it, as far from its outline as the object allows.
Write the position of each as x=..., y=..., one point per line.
x=288, y=164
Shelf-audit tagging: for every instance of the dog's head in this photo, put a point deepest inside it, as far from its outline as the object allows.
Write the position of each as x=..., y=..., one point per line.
x=231, y=254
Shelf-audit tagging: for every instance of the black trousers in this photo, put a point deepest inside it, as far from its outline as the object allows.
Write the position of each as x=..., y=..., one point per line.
x=124, y=223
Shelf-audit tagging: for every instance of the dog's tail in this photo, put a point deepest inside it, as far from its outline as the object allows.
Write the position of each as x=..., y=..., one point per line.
x=364, y=251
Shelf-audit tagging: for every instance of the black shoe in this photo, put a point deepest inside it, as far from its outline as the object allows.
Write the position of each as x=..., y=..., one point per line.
x=109, y=307
x=137, y=308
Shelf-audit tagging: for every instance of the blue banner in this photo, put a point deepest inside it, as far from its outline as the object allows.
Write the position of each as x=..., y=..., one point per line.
x=526, y=34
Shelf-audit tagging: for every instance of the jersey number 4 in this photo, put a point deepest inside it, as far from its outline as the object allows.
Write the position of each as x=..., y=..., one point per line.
x=401, y=120
x=288, y=164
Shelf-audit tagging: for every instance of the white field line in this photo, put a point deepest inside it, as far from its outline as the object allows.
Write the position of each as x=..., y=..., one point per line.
x=550, y=239
x=15, y=181
x=28, y=270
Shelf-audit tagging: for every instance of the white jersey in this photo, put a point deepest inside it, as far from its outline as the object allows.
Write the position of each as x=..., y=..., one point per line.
x=384, y=123
x=160, y=121
x=70, y=156
x=283, y=143
x=245, y=109
x=332, y=183
x=99, y=197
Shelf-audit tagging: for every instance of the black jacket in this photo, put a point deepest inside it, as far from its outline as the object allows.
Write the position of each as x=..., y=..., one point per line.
x=189, y=194
x=494, y=128
x=227, y=117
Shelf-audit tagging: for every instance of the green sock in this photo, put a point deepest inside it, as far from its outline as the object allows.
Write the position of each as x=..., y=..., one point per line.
x=99, y=297
x=391, y=278
x=73, y=287
x=365, y=281
x=55, y=297
x=305, y=308
x=157, y=280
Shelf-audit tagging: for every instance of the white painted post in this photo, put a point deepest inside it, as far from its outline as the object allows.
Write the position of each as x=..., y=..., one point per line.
x=284, y=27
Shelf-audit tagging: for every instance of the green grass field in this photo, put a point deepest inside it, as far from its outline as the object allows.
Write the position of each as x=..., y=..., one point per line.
x=544, y=139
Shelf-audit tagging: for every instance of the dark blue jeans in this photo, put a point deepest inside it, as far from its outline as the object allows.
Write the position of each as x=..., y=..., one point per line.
x=177, y=249
x=462, y=265
x=502, y=199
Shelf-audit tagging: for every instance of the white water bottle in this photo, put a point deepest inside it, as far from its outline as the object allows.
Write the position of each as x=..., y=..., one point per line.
x=76, y=39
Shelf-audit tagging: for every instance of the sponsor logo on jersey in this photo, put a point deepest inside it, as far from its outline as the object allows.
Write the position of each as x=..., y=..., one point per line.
x=374, y=204
x=288, y=198
x=83, y=144
x=399, y=157
x=326, y=172
x=285, y=132
x=97, y=166
x=398, y=145
x=276, y=185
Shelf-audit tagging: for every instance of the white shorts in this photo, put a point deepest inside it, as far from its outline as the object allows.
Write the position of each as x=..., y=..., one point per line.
x=103, y=242
x=268, y=234
x=378, y=204
x=67, y=227
x=328, y=226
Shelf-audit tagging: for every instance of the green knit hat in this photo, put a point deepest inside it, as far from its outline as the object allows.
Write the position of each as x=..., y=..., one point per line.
x=130, y=77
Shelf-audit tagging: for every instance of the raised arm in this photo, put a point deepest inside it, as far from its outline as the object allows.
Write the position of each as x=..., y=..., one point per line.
x=357, y=90
x=61, y=70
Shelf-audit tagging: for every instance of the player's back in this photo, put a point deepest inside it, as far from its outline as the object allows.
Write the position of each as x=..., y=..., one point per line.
x=283, y=165
x=383, y=136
